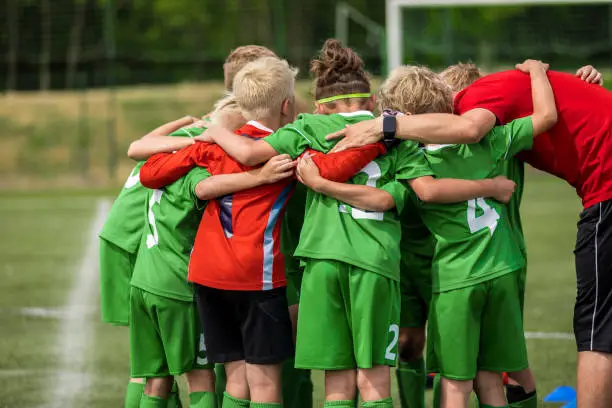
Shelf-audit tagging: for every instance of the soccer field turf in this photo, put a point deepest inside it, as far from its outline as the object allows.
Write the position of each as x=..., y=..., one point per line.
x=55, y=352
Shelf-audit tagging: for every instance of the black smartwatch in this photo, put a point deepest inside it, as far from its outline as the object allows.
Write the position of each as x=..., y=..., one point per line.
x=389, y=128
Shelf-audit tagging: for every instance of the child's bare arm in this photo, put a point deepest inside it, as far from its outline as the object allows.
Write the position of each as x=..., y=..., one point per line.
x=246, y=151
x=157, y=140
x=358, y=196
x=446, y=191
x=544, y=114
x=276, y=169
x=142, y=149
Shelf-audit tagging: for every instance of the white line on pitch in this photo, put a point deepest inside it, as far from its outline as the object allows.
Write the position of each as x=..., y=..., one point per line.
x=72, y=377
x=549, y=335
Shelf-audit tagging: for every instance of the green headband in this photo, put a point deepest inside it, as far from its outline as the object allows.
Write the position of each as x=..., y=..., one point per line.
x=346, y=96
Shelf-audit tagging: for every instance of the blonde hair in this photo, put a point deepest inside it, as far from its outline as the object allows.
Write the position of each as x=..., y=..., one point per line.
x=241, y=56
x=414, y=89
x=261, y=87
x=224, y=107
x=461, y=75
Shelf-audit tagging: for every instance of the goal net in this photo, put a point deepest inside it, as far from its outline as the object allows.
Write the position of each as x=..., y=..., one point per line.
x=498, y=33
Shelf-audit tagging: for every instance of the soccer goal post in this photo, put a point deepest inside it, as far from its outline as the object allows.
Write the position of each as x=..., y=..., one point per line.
x=394, y=18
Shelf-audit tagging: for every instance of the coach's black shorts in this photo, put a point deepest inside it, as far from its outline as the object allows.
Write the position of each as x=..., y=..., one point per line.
x=593, y=310
x=245, y=325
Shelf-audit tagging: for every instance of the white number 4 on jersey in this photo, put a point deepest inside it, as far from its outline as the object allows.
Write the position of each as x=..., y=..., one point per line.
x=488, y=219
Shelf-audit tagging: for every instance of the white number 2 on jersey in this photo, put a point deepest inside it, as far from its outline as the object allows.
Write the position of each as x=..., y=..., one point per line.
x=372, y=169
x=153, y=239
x=487, y=220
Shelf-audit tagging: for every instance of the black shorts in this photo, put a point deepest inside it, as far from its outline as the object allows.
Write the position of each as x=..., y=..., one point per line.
x=245, y=325
x=593, y=310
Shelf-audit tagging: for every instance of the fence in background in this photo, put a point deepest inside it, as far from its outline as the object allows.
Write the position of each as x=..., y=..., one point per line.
x=82, y=78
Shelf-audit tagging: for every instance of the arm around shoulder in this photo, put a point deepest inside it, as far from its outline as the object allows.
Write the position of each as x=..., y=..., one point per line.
x=443, y=128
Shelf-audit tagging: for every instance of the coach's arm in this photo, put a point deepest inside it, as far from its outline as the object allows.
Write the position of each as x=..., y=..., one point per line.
x=430, y=128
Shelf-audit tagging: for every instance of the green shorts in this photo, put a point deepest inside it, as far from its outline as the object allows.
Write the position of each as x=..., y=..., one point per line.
x=477, y=328
x=415, y=284
x=116, y=266
x=522, y=285
x=348, y=318
x=165, y=336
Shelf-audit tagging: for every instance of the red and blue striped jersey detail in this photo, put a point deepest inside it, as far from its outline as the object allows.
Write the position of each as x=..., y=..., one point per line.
x=237, y=246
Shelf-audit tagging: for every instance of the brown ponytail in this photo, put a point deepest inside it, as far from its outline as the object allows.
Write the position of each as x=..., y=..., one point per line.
x=338, y=71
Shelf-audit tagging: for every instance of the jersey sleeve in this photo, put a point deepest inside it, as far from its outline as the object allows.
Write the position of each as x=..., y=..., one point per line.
x=188, y=132
x=411, y=162
x=192, y=179
x=341, y=166
x=399, y=192
x=291, y=139
x=165, y=168
x=510, y=139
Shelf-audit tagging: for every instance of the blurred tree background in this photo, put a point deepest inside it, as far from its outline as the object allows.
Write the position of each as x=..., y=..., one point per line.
x=58, y=44
x=83, y=78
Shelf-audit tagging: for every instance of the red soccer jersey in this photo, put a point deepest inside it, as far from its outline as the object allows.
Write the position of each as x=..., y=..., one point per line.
x=237, y=246
x=243, y=255
x=578, y=149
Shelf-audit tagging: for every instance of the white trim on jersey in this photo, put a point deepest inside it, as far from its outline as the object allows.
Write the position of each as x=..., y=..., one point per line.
x=434, y=147
x=259, y=126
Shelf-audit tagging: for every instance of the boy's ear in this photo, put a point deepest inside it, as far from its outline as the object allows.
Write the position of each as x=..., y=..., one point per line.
x=319, y=108
x=371, y=103
x=285, y=107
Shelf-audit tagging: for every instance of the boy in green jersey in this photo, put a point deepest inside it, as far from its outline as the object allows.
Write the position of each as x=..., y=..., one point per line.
x=122, y=230
x=119, y=242
x=417, y=250
x=349, y=240
x=475, y=328
x=165, y=335
x=521, y=387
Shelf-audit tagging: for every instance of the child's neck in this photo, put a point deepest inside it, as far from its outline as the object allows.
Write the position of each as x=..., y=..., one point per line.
x=270, y=122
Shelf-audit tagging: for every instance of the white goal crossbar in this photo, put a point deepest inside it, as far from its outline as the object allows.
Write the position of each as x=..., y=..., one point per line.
x=394, y=17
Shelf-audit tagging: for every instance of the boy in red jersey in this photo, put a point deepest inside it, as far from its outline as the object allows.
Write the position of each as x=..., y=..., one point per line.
x=577, y=150
x=236, y=261
x=238, y=236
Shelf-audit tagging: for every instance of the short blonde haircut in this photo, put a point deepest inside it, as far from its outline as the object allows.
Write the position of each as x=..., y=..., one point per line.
x=261, y=87
x=416, y=90
x=241, y=56
x=224, y=107
x=461, y=76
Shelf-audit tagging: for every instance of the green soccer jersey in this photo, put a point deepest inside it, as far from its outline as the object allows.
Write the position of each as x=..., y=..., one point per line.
x=172, y=216
x=309, y=131
x=334, y=230
x=291, y=227
x=123, y=226
x=515, y=171
x=475, y=240
x=416, y=237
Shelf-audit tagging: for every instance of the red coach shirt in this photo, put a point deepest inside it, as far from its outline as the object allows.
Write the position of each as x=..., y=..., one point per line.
x=578, y=148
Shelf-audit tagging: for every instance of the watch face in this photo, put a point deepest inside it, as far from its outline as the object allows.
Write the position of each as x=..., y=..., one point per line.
x=389, y=126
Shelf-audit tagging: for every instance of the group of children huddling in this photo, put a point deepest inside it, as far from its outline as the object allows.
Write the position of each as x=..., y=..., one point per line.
x=263, y=250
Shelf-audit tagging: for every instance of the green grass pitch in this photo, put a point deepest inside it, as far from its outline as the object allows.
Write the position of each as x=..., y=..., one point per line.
x=54, y=351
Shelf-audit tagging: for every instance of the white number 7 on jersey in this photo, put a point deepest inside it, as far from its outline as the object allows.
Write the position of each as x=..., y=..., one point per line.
x=487, y=220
